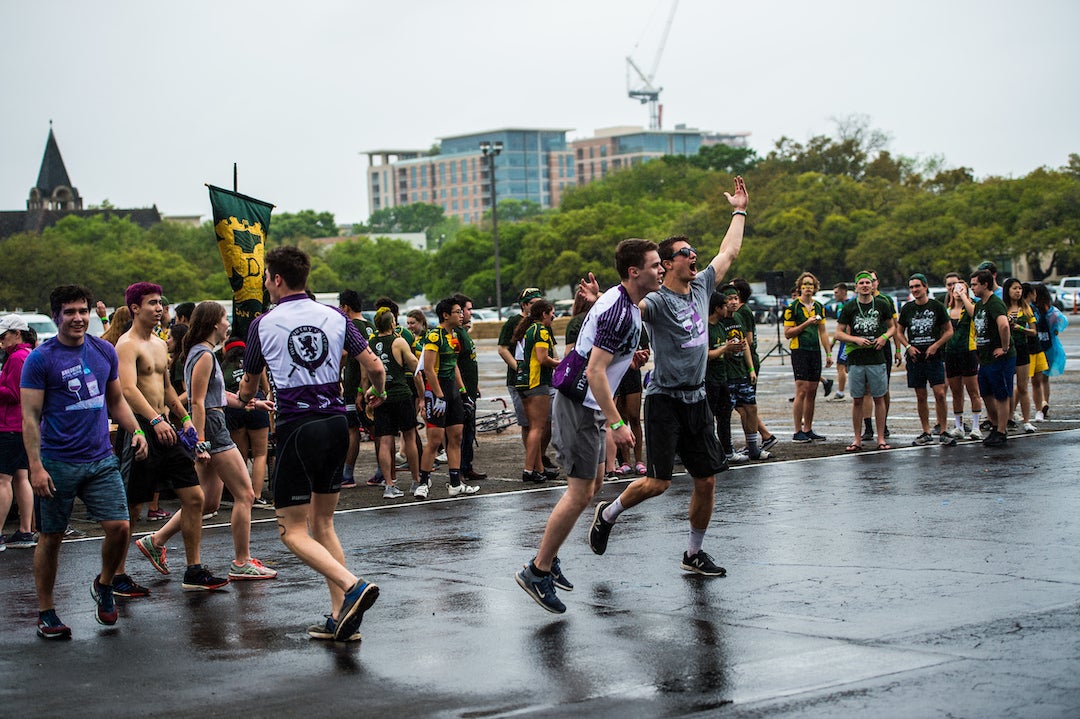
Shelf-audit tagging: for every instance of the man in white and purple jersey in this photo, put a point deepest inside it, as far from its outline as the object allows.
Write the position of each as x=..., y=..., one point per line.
x=300, y=342
x=605, y=348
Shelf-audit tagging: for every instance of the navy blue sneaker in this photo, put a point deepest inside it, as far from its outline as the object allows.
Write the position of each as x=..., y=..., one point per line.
x=558, y=578
x=125, y=586
x=106, y=605
x=800, y=437
x=327, y=629
x=49, y=626
x=541, y=589
x=815, y=436
x=357, y=601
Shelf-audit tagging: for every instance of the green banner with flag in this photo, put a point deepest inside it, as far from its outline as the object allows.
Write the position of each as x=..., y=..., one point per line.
x=242, y=224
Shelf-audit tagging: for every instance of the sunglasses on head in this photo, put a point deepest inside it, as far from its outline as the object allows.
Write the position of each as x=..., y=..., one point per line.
x=684, y=251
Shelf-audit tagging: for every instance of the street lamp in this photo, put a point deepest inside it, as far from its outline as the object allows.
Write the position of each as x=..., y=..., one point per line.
x=490, y=150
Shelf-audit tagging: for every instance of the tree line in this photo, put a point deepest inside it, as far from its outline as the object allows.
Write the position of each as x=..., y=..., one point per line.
x=831, y=206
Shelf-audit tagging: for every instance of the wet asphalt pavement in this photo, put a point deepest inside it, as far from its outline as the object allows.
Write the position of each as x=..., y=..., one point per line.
x=917, y=582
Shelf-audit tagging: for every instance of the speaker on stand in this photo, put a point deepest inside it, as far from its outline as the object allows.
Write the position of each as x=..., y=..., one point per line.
x=774, y=285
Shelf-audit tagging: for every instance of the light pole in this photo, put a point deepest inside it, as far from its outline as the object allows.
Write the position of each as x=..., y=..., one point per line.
x=490, y=150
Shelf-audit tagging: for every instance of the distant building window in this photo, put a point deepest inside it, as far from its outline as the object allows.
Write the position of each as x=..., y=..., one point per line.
x=603, y=151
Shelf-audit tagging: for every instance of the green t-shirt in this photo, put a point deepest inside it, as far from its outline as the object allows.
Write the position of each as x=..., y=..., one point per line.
x=987, y=337
x=446, y=346
x=866, y=320
x=506, y=339
x=470, y=370
x=734, y=362
x=397, y=377
x=794, y=315
x=350, y=368
x=716, y=369
x=923, y=324
x=963, y=335
x=573, y=328
x=531, y=373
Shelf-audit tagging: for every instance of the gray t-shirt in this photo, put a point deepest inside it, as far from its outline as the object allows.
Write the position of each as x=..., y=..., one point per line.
x=679, y=328
x=215, y=390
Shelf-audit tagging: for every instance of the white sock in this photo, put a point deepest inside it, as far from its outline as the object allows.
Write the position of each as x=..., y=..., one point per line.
x=697, y=538
x=958, y=420
x=612, y=511
x=975, y=420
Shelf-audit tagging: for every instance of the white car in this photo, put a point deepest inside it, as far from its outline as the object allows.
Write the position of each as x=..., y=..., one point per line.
x=1067, y=291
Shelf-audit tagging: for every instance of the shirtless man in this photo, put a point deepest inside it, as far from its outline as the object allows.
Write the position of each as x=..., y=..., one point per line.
x=144, y=379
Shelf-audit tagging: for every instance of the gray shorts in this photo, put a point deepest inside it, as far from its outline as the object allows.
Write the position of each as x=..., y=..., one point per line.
x=217, y=432
x=519, y=407
x=863, y=376
x=578, y=433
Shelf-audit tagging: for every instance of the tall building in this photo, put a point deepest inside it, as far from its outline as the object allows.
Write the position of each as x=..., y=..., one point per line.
x=53, y=197
x=534, y=164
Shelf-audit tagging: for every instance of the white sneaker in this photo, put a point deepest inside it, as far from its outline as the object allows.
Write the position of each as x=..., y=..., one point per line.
x=764, y=454
x=1029, y=427
x=1039, y=416
x=441, y=457
x=461, y=489
x=421, y=491
x=392, y=492
x=975, y=434
x=738, y=458
x=1017, y=417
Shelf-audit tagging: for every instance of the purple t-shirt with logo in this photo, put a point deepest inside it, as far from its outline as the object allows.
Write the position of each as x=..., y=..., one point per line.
x=74, y=417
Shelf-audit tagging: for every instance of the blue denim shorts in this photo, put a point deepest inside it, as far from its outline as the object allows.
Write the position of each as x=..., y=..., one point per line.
x=97, y=484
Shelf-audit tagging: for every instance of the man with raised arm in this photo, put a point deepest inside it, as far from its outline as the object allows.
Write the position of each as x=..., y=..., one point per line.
x=677, y=415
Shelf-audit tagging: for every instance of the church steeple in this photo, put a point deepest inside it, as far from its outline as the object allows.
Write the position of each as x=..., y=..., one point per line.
x=53, y=190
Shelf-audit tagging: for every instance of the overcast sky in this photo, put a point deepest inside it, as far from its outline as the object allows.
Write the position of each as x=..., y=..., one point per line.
x=150, y=100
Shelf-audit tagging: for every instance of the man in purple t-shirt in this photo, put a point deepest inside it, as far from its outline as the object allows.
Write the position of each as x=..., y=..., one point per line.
x=70, y=387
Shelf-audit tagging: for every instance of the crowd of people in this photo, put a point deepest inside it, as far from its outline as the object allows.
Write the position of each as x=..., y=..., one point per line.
x=307, y=379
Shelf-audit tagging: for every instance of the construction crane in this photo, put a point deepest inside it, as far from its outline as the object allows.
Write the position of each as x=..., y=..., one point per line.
x=647, y=92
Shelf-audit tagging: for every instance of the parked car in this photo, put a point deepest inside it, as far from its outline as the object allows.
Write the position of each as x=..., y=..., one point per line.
x=1066, y=292
x=43, y=325
x=764, y=309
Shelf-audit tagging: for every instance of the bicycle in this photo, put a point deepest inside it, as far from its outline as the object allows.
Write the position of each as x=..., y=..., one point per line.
x=497, y=421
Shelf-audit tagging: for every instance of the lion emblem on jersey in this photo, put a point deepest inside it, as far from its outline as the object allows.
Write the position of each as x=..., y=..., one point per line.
x=308, y=347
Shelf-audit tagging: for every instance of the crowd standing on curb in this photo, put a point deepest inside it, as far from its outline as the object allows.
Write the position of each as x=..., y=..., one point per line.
x=309, y=380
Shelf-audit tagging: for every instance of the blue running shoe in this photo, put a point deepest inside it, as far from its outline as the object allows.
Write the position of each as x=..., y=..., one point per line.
x=106, y=605
x=357, y=601
x=49, y=626
x=558, y=578
x=541, y=589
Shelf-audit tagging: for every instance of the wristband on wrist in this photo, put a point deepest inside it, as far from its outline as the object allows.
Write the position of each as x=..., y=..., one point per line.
x=187, y=418
x=138, y=431
x=461, y=390
x=203, y=446
x=739, y=212
x=157, y=420
x=617, y=425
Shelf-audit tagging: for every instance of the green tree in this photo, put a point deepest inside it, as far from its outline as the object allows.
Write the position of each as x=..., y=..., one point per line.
x=377, y=267
x=287, y=227
x=415, y=217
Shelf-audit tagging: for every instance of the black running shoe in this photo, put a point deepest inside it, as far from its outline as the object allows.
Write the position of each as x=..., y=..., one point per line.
x=702, y=563
x=198, y=578
x=358, y=600
x=599, y=530
x=558, y=578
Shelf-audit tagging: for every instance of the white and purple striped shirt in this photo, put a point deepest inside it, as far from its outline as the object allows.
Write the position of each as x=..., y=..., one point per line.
x=614, y=325
x=300, y=341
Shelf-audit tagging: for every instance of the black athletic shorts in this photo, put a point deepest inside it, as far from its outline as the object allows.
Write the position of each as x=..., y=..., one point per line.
x=689, y=430
x=962, y=364
x=246, y=418
x=806, y=364
x=393, y=416
x=309, y=458
x=630, y=383
x=455, y=408
x=164, y=466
